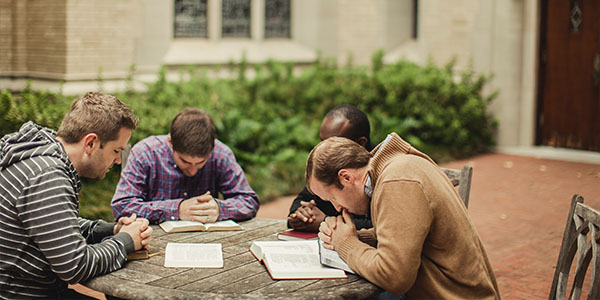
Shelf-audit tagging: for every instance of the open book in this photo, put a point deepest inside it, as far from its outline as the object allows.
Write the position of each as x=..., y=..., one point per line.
x=293, y=260
x=193, y=255
x=180, y=226
x=332, y=259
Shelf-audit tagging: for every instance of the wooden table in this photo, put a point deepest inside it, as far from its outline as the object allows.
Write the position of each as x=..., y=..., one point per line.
x=242, y=277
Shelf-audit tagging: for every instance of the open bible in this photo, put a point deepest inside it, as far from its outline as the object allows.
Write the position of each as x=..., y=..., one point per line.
x=180, y=226
x=293, y=260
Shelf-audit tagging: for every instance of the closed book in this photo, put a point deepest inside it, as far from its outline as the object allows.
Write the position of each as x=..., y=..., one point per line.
x=295, y=235
x=181, y=226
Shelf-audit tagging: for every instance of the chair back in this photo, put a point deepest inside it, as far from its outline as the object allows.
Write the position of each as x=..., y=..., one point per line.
x=462, y=179
x=125, y=156
x=581, y=237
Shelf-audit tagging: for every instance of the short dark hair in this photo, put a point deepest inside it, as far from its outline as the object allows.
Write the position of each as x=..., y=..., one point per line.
x=359, y=123
x=330, y=156
x=97, y=113
x=193, y=132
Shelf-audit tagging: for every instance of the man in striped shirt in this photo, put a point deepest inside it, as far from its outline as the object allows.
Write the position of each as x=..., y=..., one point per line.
x=44, y=244
x=179, y=176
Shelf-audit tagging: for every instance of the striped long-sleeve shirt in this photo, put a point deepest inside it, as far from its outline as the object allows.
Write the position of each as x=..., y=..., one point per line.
x=44, y=244
x=152, y=186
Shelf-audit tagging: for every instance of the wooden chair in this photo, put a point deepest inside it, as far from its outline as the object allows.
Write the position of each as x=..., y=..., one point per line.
x=462, y=179
x=125, y=156
x=582, y=235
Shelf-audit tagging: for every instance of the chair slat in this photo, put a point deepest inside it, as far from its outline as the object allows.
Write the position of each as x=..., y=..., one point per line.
x=581, y=237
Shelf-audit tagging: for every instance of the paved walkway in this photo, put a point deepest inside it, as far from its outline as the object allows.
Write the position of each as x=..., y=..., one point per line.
x=519, y=205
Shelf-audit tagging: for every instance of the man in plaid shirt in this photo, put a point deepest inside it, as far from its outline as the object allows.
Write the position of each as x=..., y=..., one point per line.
x=179, y=176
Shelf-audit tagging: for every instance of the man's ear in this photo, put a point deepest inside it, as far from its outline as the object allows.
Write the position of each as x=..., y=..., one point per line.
x=362, y=141
x=345, y=177
x=90, y=143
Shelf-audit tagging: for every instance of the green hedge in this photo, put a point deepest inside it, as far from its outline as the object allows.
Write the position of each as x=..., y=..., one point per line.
x=271, y=119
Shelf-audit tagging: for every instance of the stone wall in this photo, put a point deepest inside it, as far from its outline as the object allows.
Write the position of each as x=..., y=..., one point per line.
x=67, y=39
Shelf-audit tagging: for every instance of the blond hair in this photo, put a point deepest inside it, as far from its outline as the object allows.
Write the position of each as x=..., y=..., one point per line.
x=97, y=113
x=330, y=156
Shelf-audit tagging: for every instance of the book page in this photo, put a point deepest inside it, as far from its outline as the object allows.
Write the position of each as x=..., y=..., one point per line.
x=298, y=266
x=223, y=225
x=193, y=255
x=177, y=226
x=331, y=258
x=258, y=248
x=292, y=261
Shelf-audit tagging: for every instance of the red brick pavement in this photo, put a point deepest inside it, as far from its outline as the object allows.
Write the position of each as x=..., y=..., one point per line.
x=519, y=205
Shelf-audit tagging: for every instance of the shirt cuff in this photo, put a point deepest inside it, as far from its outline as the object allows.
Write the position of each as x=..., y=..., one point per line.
x=221, y=208
x=104, y=228
x=172, y=211
x=126, y=239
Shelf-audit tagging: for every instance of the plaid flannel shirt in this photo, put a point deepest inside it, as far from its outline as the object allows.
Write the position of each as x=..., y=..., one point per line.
x=152, y=186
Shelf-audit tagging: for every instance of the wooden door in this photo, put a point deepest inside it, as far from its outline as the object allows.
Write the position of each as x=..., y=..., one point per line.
x=569, y=75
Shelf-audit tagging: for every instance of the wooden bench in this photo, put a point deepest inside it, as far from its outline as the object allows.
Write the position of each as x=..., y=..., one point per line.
x=582, y=236
x=462, y=179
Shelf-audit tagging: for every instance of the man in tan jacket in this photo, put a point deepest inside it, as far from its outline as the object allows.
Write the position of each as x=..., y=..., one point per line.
x=423, y=243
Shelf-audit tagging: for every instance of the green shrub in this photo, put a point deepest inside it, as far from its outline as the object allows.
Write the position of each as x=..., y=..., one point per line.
x=271, y=120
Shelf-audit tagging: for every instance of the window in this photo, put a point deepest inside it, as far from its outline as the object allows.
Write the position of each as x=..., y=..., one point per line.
x=217, y=19
x=190, y=19
x=415, y=31
x=236, y=18
x=277, y=19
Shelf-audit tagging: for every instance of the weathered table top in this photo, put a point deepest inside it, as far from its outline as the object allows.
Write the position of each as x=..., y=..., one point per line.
x=242, y=277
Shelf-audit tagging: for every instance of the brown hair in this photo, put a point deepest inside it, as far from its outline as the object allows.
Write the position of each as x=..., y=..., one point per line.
x=97, y=113
x=193, y=132
x=330, y=156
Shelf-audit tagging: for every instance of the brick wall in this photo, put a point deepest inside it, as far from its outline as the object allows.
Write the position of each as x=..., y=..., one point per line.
x=447, y=29
x=67, y=39
x=358, y=29
x=5, y=37
x=42, y=28
x=101, y=34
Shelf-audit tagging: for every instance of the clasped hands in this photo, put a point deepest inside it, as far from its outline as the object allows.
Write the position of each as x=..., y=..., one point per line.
x=137, y=228
x=203, y=208
x=307, y=217
x=335, y=230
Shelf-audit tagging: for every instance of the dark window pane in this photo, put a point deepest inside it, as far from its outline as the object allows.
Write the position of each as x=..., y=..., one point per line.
x=236, y=18
x=277, y=18
x=190, y=18
x=415, y=33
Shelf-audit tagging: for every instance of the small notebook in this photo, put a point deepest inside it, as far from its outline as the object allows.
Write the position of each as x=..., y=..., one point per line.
x=181, y=226
x=193, y=255
x=293, y=260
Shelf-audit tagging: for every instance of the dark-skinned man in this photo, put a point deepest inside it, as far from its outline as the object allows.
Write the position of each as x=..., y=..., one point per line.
x=308, y=211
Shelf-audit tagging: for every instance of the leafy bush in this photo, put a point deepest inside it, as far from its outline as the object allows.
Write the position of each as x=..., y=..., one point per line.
x=271, y=119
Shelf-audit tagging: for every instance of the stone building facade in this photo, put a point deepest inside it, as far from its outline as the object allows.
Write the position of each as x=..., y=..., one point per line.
x=78, y=41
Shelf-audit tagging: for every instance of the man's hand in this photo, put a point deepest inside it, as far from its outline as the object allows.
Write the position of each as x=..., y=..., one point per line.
x=307, y=217
x=336, y=230
x=326, y=230
x=139, y=231
x=123, y=221
x=202, y=209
